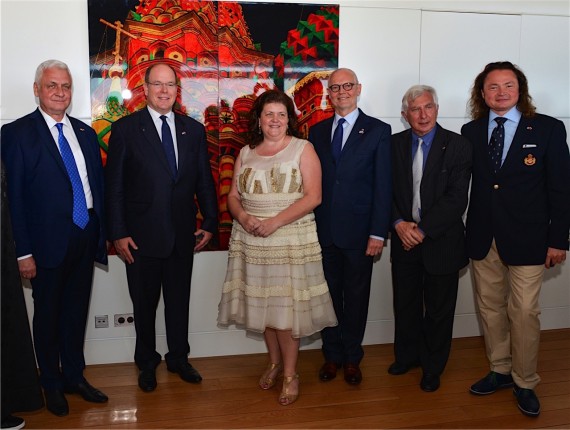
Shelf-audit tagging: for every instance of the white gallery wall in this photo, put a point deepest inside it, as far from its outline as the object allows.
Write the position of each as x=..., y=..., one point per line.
x=391, y=45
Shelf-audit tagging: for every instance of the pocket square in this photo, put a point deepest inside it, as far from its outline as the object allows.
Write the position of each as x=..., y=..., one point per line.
x=529, y=145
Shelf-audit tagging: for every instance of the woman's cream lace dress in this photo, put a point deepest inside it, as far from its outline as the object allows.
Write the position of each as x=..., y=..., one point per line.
x=277, y=281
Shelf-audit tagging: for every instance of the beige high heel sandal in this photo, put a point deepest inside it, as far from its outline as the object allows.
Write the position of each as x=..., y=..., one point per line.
x=286, y=398
x=266, y=381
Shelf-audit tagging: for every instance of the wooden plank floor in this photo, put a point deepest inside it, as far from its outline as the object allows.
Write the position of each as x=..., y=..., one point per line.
x=229, y=397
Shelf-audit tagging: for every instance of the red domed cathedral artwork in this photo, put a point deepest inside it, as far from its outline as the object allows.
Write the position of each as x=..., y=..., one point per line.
x=225, y=54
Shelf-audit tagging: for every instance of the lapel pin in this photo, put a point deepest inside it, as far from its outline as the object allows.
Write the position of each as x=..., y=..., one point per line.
x=529, y=127
x=361, y=131
x=183, y=132
x=81, y=129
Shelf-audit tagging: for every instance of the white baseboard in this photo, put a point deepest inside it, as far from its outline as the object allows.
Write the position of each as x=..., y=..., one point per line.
x=237, y=342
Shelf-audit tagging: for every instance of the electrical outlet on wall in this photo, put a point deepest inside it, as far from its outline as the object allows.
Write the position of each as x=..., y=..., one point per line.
x=124, y=320
x=101, y=321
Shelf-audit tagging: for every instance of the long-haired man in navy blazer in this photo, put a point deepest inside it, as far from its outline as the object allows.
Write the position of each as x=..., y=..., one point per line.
x=517, y=223
x=431, y=170
x=353, y=218
x=55, y=189
x=157, y=162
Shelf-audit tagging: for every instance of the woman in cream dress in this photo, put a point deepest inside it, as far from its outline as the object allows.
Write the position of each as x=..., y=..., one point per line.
x=275, y=283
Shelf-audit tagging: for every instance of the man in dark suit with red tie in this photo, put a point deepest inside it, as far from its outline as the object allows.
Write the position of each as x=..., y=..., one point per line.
x=353, y=218
x=517, y=223
x=431, y=169
x=55, y=189
x=157, y=163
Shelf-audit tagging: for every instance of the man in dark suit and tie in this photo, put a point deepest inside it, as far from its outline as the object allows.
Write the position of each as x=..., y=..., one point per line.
x=55, y=189
x=353, y=218
x=517, y=223
x=431, y=169
x=157, y=162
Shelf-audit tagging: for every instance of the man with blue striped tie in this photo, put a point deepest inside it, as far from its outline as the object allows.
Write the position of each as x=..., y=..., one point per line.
x=55, y=188
x=353, y=218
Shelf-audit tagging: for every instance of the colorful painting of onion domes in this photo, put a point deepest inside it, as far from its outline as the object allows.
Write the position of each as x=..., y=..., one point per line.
x=225, y=54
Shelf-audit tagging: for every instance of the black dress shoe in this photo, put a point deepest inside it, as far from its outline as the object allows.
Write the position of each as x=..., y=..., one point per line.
x=491, y=383
x=56, y=402
x=12, y=422
x=429, y=382
x=147, y=380
x=527, y=401
x=328, y=371
x=399, y=368
x=87, y=391
x=186, y=371
x=352, y=374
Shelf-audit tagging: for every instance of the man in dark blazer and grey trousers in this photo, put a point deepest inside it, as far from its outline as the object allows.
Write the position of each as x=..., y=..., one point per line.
x=55, y=189
x=517, y=224
x=157, y=162
x=353, y=218
x=428, y=237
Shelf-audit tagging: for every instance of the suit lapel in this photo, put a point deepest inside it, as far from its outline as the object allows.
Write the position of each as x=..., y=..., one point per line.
x=80, y=133
x=46, y=137
x=482, y=136
x=438, y=147
x=402, y=160
x=182, y=143
x=326, y=130
x=521, y=135
x=358, y=131
x=152, y=138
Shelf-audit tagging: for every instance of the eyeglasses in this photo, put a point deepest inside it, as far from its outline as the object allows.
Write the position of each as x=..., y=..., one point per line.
x=347, y=86
x=161, y=85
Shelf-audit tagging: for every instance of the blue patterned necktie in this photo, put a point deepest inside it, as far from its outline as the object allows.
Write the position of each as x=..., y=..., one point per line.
x=80, y=213
x=337, y=139
x=168, y=145
x=497, y=143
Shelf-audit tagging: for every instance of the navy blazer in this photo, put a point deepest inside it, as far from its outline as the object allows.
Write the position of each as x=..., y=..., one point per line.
x=39, y=188
x=357, y=192
x=444, y=189
x=525, y=206
x=143, y=200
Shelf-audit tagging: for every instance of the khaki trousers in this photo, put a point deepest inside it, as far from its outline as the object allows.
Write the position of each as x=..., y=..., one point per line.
x=507, y=297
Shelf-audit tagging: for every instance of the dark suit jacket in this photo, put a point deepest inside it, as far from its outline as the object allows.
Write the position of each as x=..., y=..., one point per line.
x=143, y=201
x=443, y=190
x=39, y=188
x=357, y=192
x=526, y=205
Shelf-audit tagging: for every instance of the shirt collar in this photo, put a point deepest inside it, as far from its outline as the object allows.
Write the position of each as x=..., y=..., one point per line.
x=512, y=115
x=156, y=115
x=350, y=118
x=427, y=138
x=52, y=122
